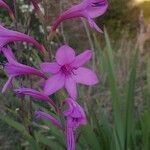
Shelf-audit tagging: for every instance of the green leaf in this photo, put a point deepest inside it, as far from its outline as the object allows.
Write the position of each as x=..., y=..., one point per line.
x=99, y=52
x=90, y=138
x=22, y=130
x=148, y=75
x=130, y=103
x=16, y=125
x=57, y=133
x=145, y=125
x=49, y=141
x=110, y=70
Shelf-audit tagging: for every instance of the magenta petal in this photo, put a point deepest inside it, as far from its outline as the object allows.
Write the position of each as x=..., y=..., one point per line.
x=36, y=7
x=31, y=92
x=75, y=117
x=85, y=76
x=54, y=84
x=36, y=94
x=70, y=86
x=96, y=8
x=16, y=69
x=9, y=55
x=93, y=25
x=65, y=55
x=74, y=110
x=50, y=67
x=8, y=84
x=46, y=116
x=70, y=139
x=41, y=82
x=73, y=12
x=5, y=6
x=82, y=58
x=7, y=36
x=88, y=9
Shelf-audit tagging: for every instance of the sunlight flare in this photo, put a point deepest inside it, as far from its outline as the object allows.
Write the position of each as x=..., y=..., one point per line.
x=140, y=1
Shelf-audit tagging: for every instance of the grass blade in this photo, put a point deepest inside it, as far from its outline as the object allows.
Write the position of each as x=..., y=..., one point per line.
x=110, y=69
x=90, y=138
x=130, y=102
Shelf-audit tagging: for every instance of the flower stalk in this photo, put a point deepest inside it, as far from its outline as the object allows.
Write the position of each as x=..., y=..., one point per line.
x=65, y=72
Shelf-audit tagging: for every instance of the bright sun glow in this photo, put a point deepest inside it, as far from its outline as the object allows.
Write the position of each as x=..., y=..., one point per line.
x=139, y=1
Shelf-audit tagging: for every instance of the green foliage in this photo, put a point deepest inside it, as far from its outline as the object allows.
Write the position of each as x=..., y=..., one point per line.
x=110, y=69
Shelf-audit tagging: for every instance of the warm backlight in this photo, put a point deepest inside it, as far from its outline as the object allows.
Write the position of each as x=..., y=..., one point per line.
x=139, y=1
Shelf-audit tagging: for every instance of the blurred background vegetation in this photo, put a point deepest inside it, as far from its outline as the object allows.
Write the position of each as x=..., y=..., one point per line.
x=128, y=26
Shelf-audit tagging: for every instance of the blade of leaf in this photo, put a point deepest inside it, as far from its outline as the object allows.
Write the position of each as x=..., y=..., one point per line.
x=18, y=126
x=47, y=141
x=21, y=129
x=90, y=138
x=130, y=102
x=148, y=75
x=110, y=69
x=145, y=125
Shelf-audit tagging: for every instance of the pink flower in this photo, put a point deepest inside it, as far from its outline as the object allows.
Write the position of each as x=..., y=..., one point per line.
x=75, y=117
x=7, y=36
x=36, y=94
x=5, y=6
x=88, y=9
x=45, y=116
x=36, y=7
x=14, y=69
x=67, y=71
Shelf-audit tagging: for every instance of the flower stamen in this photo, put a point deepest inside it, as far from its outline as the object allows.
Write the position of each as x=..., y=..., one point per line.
x=67, y=70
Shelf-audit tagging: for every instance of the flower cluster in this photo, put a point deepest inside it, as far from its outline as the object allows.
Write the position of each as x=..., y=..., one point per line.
x=65, y=71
